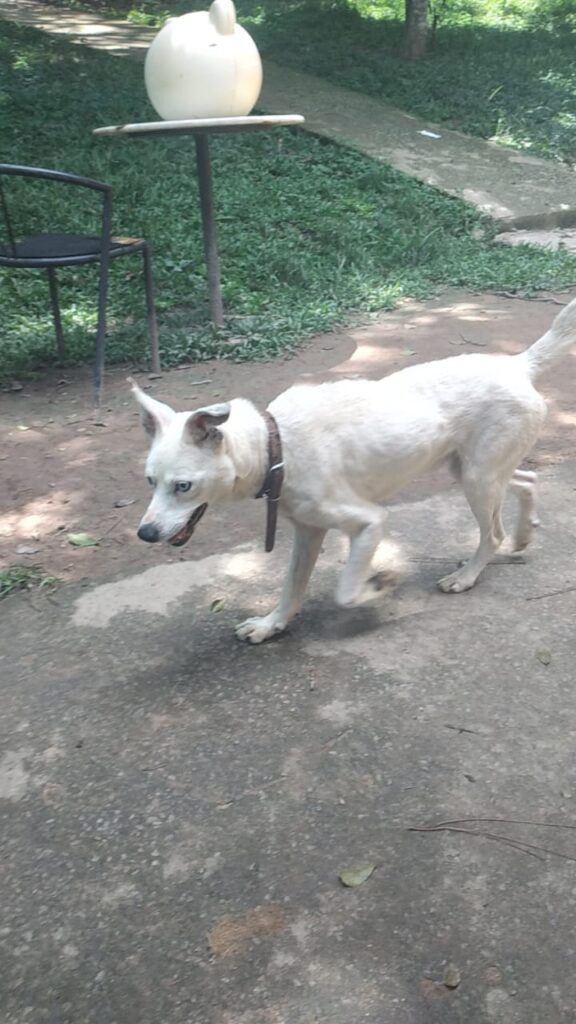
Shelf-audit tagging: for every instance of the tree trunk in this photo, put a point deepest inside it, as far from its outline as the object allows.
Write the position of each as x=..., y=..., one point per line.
x=416, y=29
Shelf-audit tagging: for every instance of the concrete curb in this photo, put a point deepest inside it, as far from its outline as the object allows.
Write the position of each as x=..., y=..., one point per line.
x=516, y=190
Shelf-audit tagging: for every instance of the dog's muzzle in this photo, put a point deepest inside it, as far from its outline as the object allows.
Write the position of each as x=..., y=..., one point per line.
x=180, y=538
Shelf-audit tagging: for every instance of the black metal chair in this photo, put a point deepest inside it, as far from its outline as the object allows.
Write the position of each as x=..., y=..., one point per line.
x=51, y=250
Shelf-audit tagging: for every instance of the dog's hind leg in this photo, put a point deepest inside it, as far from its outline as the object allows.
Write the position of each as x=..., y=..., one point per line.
x=305, y=551
x=488, y=462
x=497, y=524
x=485, y=499
x=523, y=485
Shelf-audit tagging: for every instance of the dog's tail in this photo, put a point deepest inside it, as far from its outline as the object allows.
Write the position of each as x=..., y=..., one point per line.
x=558, y=340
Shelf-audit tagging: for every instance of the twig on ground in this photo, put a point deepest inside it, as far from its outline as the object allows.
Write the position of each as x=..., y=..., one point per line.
x=461, y=728
x=110, y=528
x=502, y=560
x=551, y=593
x=529, y=298
x=472, y=341
x=455, y=826
x=502, y=821
x=338, y=736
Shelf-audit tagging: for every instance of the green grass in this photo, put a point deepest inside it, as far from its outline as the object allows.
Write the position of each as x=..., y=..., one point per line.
x=25, y=577
x=310, y=233
x=487, y=74
x=499, y=69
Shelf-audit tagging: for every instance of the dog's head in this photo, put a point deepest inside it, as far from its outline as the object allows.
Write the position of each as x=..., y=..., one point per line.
x=187, y=466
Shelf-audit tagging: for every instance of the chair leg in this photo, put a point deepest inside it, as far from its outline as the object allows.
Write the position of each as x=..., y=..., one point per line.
x=151, y=309
x=60, y=343
x=101, y=335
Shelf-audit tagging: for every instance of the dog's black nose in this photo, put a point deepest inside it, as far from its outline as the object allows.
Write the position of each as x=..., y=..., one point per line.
x=149, y=532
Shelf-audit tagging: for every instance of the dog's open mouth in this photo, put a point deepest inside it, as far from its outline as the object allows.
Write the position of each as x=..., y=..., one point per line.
x=186, y=532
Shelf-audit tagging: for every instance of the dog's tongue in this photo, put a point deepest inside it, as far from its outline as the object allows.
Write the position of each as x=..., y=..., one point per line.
x=186, y=532
x=182, y=536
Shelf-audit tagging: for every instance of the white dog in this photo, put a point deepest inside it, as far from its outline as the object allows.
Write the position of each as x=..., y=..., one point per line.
x=350, y=445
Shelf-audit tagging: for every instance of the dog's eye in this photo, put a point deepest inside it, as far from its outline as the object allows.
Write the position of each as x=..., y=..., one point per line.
x=150, y=481
x=183, y=486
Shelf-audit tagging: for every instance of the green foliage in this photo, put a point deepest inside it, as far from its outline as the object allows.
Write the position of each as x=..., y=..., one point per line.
x=310, y=233
x=148, y=12
x=25, y=577
x=551, y=15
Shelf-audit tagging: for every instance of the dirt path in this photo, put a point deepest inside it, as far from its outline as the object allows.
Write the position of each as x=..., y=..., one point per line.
x=64, y=470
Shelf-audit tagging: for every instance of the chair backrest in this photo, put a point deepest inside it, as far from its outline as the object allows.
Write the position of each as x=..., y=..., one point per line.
x=16, y=208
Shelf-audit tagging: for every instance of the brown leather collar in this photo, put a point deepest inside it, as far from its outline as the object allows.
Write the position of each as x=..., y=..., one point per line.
x=273, y=480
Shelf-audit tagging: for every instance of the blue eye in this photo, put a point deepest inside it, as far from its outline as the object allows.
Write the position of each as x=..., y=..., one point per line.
x=183, y=486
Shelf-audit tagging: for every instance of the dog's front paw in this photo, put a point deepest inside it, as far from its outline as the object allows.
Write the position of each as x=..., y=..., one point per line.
x=254, y=631
x=523, y=535
x=372, y=589
x=456, y=583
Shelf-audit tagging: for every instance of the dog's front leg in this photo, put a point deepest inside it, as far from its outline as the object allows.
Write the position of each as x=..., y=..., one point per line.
x=305, y=551
x=354, y=586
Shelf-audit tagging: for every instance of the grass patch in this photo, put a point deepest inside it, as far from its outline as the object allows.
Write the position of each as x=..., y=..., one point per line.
x=310, y=233
x=25, y=577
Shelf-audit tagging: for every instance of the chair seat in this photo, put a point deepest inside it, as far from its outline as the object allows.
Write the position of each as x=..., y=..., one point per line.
x=57, y=246
x=49, y=250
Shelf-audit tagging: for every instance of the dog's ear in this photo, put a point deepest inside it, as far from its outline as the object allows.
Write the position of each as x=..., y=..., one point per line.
x=203, y=424
x=154, y=415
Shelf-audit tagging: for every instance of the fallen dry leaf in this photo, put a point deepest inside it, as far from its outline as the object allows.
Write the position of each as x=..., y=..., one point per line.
x=232, y=934
x=451, y=977
x=433, y=989
x=544, y=656
x=82, y=540
x=356, y=874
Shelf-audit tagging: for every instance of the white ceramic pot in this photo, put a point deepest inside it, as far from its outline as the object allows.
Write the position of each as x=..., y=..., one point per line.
x=203, y=65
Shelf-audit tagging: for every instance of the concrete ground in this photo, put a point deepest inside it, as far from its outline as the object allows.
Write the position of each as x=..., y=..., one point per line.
x=176, y=807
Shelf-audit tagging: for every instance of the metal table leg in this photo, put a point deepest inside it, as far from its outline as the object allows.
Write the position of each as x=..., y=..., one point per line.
x=209, y=228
